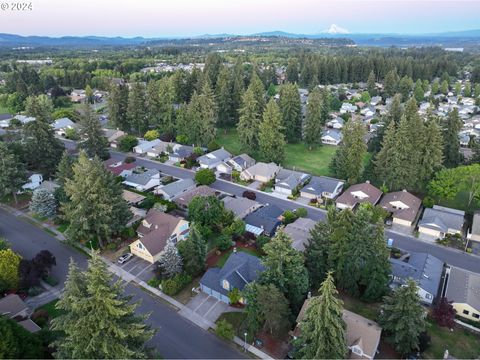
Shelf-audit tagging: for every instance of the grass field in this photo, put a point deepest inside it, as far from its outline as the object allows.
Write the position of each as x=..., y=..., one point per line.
x=297, y=156
x=4, y=110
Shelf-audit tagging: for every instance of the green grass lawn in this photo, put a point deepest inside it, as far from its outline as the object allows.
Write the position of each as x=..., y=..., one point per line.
x=5, y=110
x=223, y=259
x=53, y=312
x=297, y=156
x=237, y=319
x=63, y=227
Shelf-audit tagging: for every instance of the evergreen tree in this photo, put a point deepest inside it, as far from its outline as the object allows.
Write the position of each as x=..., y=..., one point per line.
x=274, y=308
x=213, y=66
x=137, y=109
x=259, y=92
x=96, y=208
x=18, y=343
x=290, y=108
x=292, y=71
x=405, y=86
x=248, y=124
x=40, y=107
x=270, y=135
x=435, y=87
x=154, y=104
x=117, y=106
x=418, y=92
x=238, y=89
x=468, y=89
x=93, y=305
x=43, y=203
x=170, y=262
x=317, y=253
x=12, y=172
x=322, y=328
x=42, y=150
x=93, y=138
x=348, y=160
x=166, y=105
x=313, y=120
x=371, y=84
x=391, y=83
x=396, y=110
x=431, y=149
x=193, y=252
x=444, y=87
x=223, y=95
x=451, y=145
x=285, y=269
x=403, y=318
x=201, y=115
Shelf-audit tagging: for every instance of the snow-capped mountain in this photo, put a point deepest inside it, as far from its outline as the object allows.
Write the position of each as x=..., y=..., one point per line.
x=335, y=29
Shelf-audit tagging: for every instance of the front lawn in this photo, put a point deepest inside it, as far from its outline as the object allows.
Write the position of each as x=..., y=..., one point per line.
x=237, y=319
x=52, y=311
x=297, y=156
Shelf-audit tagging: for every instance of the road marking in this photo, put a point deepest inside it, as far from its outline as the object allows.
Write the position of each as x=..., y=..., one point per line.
x=204, y=301
x=144, y=269
x=211, y=308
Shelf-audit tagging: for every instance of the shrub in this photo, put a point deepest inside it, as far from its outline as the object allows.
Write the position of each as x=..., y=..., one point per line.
x=151, y=135
x=301, y=212
x=205, y=177
x=111, y=246
x=225, y=330
x=249, y=195
x=182, y=139
x=223, y=242
x=175, y=284
x=198, y=151
x=127, y=142
x=428, y=202
x=289, y=217
x=234, y=296
x=212, y=146
x=262, y=240
x=129, y=160
x=167, y=137
x=40, y=317
x=154, y=282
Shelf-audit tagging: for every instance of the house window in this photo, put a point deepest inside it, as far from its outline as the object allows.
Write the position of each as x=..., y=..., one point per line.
x=429, y=296
x=465, y=312
x=357, y=350
x=140, y=246
x=476, y=316
x=226, y=285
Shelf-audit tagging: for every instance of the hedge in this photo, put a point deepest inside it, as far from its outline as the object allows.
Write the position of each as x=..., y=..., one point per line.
x=175, y=284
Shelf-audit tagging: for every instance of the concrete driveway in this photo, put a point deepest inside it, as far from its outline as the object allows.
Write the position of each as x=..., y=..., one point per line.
x=209, y=307
x=140, y=268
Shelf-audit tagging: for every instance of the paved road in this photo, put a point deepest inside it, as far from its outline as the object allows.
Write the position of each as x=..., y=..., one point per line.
x=176, y=337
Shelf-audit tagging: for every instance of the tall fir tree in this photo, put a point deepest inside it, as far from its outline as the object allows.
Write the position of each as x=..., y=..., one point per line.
x=431, y=150
x=270, y=136
x=137, y=109
x=40, y=107
x=223, y=96
x=166, y=106
x=12, y=172
x=317, y=253
x=154, y=103
x=238, y=89
x=202, y=115
x=292, y=70
x=290, y=108
x=313, y=120
x=93, y=305
x=93, y=139
x=403, y=318
x=348, y=160
x=391, y=83
x=371, y=84
x=323, y=330
x=43, y=203
x=249, y=121
x=96, y=208
x=117, y=106
x=451, y=145
x=193, y=252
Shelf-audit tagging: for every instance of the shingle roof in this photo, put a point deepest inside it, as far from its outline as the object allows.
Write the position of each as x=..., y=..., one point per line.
x=464, y=287
x=360, y=193
x=185, y=198
x=404, y=197
x=299, y=232
x=266, y=217
x=62, y=123
x=476, y=223
x=243, y=160
x=263, y=169
x=320, y=184
x=177, y=187
x=142, y=178
x=441, y=218
x=214, y=156
x=240, y=206
x=289, y=179
x=11, y=305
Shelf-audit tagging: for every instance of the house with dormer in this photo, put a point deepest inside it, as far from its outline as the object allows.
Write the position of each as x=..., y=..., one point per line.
x=238, y=271
x=357, y=194
x=403, y=207
x=155, y=232
x=214, y=158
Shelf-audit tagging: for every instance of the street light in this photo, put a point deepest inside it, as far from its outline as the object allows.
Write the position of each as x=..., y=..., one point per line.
x=245, y=343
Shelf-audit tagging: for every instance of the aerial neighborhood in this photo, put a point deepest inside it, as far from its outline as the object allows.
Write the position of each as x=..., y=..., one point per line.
x=240, y=198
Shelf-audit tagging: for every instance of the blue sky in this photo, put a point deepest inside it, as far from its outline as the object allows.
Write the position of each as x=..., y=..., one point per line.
x=194, y=17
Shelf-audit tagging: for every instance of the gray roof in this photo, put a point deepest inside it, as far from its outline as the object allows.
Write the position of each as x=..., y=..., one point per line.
x=240, y=206
x=334, y=133
x=264, y=169
x=243, y=160
x=214, y=157
x=289, y=179
x=142, y=178
x=11, y=305
x=146, y=145
x=424, y=268
x=299, y=232
x=177, y=187
x=183, y=151
x=6, y=117
x=62, y=123
x=442, y=218
x=239, y=270
x=321, y=184
x=266, y=217
x=464, y=287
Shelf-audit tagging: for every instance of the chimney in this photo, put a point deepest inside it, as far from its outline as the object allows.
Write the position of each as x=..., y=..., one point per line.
x=234, y=249
x=368, y=181
x=309, y=295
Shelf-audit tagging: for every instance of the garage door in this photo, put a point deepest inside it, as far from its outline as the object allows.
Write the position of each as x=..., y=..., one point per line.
x=216, y=294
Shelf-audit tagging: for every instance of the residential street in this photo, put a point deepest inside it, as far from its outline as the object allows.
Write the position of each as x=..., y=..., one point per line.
x=176, y=337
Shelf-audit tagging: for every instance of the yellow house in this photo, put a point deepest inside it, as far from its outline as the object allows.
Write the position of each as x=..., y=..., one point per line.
x=155, y=231
x=463, y=289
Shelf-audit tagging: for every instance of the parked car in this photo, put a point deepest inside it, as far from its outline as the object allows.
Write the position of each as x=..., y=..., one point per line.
x=124, y=258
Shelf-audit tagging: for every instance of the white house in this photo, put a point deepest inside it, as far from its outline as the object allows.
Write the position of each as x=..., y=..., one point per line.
x=144, y=146
x=34, y=182
x=332, y=137
x=143, y=181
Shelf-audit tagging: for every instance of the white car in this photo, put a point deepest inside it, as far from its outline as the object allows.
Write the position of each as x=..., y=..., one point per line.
x=124, y=258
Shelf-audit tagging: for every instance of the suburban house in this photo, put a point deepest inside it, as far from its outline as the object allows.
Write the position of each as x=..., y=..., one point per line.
x=143, y=181
x=144, y=146
x=239, y=270
x=439, y=221
x=336, y=123
x=5, y=120
x=357, y=194
x=332, y=137
x=474, y=233
x=261, y=172
x=180, y=153
x=132, y=198
x=362, y=334
x=299, y=232
x=24, y=119
x=78, y=96
x=403, y=206
x=463, y=289
x=240, y=206
x=159, y=149
x=241, y=162
x=119, y=168
x=184, y=199
x=155, y=231
x=287, y=181
x=34, y=181
x=214, y=158
x=322, y=187
x=424, y=268
x=175, y=189
x=60, y=126
x=348, y=108
x=13, y=307
x=264, y=221
x=113, y=136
